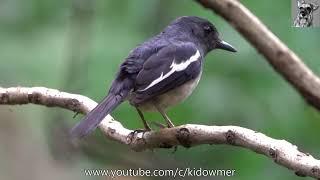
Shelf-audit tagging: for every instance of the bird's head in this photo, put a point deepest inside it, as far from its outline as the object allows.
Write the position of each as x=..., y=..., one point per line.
x=200, y=31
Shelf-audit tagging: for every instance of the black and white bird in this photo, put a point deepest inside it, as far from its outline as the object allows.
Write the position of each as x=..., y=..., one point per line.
x=160, y=72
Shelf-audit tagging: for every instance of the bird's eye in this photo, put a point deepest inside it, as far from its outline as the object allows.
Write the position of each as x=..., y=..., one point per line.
x=207, y=29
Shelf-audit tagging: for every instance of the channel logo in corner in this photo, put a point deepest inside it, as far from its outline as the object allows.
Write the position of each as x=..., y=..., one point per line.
x=306, y=13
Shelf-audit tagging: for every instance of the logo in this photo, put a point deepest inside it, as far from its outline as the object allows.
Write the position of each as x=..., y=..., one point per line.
x=306, y=13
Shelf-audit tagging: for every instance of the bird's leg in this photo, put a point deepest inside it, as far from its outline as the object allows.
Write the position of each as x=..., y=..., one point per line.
x=161, y=126
x=145, y=124
x=164, y=115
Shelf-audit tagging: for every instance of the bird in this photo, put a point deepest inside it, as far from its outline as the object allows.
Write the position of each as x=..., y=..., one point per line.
x=159, y=73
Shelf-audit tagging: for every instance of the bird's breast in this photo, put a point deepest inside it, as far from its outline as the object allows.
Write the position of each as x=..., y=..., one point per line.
x=172, y=97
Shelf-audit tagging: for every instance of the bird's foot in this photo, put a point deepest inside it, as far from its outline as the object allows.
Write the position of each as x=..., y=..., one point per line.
x=140, y=131
x=136, y=131
x=161, y=126
x=146, y=126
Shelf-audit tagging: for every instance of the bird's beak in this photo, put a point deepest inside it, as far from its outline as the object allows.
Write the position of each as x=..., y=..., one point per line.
x=225, y=46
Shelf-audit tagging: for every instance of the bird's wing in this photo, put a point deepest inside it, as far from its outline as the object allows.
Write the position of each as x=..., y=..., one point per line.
x=169, y=68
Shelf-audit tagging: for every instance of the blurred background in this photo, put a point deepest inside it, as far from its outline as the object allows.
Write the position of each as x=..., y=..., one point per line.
x=77, y=46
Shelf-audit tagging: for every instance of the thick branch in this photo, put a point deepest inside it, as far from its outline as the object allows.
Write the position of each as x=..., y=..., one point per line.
x=281, y=151
x=283, y=60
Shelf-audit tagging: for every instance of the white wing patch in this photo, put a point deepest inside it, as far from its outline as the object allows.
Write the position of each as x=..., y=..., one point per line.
x=175, y=68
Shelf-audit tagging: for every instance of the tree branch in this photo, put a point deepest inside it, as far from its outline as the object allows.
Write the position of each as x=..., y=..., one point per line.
x=281, y=151
x=282, y=59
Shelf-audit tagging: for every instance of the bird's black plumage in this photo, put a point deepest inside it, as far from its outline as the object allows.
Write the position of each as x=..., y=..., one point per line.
x=166, y=62
x=159, y=64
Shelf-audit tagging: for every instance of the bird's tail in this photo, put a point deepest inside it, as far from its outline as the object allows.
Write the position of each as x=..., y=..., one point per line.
x=106, y=106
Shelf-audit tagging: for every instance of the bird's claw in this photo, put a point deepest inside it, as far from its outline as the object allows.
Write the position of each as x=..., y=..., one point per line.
x=140, y=131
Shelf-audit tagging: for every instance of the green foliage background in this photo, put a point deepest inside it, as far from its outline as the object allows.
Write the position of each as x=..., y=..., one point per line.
x=77, y=46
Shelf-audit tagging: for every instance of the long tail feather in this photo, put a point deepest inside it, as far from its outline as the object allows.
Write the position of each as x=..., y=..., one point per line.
x=94, y=117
